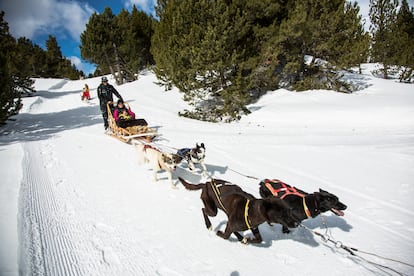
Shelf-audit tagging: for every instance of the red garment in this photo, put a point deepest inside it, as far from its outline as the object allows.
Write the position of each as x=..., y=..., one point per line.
x=85, y=94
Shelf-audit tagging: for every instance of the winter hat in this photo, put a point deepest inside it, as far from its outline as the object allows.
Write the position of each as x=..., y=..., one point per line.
x=120, y=101
x=104, y=79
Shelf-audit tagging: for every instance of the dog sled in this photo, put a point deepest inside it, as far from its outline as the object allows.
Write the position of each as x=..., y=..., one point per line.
x=140, y=132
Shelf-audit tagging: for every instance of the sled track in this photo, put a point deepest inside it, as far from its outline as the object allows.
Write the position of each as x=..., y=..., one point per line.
x=45, y=235
x=54, y=240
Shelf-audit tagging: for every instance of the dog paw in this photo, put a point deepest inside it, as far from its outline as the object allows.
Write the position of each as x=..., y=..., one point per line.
x=174, y=187
x=245, y=240
x=285, y=231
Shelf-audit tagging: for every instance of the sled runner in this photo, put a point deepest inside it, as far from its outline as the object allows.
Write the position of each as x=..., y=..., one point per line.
x=129, y=133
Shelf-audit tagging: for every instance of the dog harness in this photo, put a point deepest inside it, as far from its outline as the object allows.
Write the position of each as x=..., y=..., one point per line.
x=286, y=190
x=189, y=154
x=217, y=193
x=305, y=208
x=246, y=215
x=183, y=152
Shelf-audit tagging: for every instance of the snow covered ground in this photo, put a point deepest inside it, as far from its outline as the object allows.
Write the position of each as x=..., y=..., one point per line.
x=74, y=201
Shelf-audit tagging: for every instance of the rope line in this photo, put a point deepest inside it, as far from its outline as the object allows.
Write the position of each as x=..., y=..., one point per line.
x=352, y=250
x=248, y=176
x=324, y=237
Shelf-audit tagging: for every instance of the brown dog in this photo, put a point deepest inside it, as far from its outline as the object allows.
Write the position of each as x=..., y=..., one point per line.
x=243, y=210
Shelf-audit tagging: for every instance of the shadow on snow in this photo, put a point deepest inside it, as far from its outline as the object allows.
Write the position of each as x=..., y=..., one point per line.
x=34, y=127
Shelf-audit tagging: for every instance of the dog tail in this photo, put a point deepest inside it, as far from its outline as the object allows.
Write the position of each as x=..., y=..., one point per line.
x=191, y=187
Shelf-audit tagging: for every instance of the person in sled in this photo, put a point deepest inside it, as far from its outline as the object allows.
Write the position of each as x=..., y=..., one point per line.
x=85, y=93
x=125, y=117
x=105, y=94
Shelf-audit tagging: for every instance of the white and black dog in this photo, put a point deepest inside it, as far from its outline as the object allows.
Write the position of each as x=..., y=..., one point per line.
x=194, y=156
x=158, y=160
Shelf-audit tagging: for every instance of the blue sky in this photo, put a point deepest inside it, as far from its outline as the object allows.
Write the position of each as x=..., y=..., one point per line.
x=64, y=19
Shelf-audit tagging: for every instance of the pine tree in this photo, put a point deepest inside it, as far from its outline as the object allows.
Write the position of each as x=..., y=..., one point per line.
x=53, y=57
x=328, y=31
x=57, y=65
x=160, y=7
x=134, y=49
x=23, y=57
x=382, y=14
x=403, y=30
x=206, y=56
x=100, y=40
x=141, y=30
x=10, y=98
x=39, y=62
x=265, y=16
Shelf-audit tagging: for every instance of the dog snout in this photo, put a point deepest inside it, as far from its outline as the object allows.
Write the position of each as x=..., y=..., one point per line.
x=341, y=206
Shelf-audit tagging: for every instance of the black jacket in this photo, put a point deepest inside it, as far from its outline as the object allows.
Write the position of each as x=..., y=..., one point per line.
x=105, y=95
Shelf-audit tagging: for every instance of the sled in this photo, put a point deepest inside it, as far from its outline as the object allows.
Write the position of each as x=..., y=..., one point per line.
x=129, y=133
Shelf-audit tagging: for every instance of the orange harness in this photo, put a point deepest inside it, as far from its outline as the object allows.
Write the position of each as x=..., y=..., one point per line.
x=286, y=190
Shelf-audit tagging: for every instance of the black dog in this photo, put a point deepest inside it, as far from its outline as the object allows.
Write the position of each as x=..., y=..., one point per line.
x=194, y=156
x=303, y=205
x=243, y=210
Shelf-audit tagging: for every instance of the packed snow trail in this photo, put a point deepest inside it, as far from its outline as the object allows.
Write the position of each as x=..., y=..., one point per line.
x=47, y=236
x=86, y=207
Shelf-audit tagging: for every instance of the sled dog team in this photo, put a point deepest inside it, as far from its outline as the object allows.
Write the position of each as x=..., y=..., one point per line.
x=280, y=202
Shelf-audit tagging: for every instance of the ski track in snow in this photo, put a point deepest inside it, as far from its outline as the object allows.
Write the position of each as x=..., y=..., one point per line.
x=55, y=243
x=46, y=235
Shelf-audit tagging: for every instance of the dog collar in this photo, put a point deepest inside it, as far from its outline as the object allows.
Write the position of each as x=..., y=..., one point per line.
x=305, y=208
x=246, y=214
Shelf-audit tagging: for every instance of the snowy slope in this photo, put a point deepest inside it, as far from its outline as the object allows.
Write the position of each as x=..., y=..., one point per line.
x=75, y=201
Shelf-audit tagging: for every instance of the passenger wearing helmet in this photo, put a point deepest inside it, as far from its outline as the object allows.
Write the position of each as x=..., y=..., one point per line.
x=105, y=94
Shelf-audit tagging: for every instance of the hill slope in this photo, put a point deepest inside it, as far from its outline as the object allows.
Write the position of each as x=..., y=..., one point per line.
x=85, y=207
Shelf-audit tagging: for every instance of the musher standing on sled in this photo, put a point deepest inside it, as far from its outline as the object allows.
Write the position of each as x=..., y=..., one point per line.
x=105, y=95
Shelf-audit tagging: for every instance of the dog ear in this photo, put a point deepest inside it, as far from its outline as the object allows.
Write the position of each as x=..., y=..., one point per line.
x=322, y=191
x=202, y=145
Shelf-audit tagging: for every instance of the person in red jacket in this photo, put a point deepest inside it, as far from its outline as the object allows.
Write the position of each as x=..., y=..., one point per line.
x=85, y=93
x=125, y=117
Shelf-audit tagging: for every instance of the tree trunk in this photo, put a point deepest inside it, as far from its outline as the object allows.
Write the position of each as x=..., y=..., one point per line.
x=109, y=64
x=119, y=78
x=385, y=71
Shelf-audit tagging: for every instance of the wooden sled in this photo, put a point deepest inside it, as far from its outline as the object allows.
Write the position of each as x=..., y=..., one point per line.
x=127, y=134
